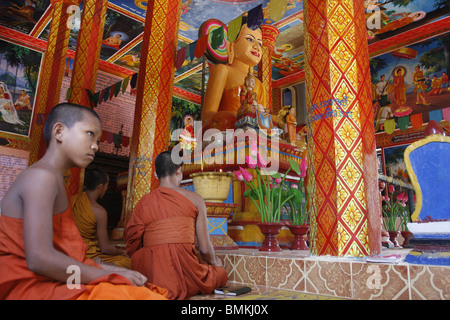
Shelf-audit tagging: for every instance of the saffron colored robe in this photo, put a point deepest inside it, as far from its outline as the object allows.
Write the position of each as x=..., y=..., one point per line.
x=17, y=282
x=87, y=225
x=160, y=238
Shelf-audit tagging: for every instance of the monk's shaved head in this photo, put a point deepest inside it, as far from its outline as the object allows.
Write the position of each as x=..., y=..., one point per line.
x=164, y=165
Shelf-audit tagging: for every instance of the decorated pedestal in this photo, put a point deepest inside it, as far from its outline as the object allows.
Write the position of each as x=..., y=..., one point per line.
x=218, y=214
x=242, y=226
x=427, y=164
x=214, y=187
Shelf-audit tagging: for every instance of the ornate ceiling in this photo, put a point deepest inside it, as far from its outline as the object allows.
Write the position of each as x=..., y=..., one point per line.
x=125, y=21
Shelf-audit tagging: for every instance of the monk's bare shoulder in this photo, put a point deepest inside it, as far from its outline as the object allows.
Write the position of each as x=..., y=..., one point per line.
x=192, y=196
x=29, y=185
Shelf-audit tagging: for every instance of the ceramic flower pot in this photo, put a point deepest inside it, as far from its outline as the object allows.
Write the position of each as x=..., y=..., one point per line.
x=270, y=232
x=393, y=238
x=299, y=232
x=407, y=236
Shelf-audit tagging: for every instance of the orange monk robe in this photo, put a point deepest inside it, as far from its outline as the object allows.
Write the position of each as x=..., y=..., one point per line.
x=17, y=282
x=160, y=240
x=87, y=224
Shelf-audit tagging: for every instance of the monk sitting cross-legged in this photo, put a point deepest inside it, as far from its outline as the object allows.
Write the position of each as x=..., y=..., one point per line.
x=42, y=255
x=160, y=237
x=92, y=220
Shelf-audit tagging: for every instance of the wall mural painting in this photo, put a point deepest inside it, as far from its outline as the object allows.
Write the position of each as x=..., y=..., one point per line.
x=395, y=164
x=410, y=84
x=184, y=114
x=19, y=73
x=386, y=18
x=131, y=59
x=22, y=15
x=119, y=30
x=289, y=56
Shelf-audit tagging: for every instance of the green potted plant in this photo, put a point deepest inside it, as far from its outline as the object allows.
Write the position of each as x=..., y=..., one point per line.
x=296, y=206
x=393, y=211
x=265, y=190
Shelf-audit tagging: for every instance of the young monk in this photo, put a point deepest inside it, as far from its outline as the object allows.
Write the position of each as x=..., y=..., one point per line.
x=160, y=237
x=92, y=220
x=41, y=250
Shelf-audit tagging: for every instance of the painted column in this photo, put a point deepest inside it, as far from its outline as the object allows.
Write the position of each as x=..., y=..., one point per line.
x=154, y=96
x=85, y=67
x=52, y=73
x=269, y=36
x=342, y=167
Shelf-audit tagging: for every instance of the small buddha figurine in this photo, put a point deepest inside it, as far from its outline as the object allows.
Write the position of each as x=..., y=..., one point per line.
x=291, y=124
x=248, y=98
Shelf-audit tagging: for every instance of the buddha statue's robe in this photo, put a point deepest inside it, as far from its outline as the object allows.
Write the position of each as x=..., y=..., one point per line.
x=160, y=239
x=87, y=225
x=17, y=282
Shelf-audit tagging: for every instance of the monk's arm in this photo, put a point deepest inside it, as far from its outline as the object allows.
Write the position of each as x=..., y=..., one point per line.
x=102, y=232
x=41, y=256
x=205, y=247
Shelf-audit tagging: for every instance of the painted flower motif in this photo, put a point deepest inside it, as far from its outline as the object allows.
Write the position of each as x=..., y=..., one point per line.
x=239, y=175
x=278, y=180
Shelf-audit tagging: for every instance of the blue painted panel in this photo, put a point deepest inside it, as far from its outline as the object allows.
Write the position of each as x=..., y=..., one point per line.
x=430, y=164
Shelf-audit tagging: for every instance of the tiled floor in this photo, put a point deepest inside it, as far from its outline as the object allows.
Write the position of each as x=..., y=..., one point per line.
x=296, y=273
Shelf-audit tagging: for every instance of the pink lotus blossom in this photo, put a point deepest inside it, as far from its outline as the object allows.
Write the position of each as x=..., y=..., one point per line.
x=402, y=197
x=250, y=161
x=239, y=175
x=294, y=186
x=261, y=162
x=391, y=188
x=303, y=167
x=247, y=176
x=278, y=180
x=253, y=148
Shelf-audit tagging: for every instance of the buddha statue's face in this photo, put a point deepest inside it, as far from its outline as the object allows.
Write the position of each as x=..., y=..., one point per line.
x=248, y=47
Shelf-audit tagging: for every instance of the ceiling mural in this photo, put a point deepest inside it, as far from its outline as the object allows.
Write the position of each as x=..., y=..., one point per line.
x=125, y=19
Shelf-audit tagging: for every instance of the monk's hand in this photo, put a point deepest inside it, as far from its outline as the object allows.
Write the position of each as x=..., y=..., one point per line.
x=135, y=277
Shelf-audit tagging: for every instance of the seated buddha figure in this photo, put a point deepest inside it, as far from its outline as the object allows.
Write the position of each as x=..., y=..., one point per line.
x=222, y=96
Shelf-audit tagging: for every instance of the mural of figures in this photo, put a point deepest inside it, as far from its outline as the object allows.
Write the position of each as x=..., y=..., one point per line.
x=386, y=18
x=394, y=163
x=413, y=80
x=22, y=15
x=19, y=71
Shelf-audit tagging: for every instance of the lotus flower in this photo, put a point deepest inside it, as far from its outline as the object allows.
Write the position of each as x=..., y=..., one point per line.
x=303, y=167
x=278, y=180
x=250, y=161
x=261, y=162
x=239, y=175
x=247, y=176
x=391, y=188
x=253, y=149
